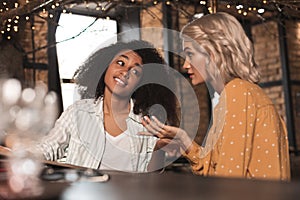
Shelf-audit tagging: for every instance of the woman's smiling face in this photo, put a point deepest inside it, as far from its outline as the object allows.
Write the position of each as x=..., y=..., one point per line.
x=124, y=73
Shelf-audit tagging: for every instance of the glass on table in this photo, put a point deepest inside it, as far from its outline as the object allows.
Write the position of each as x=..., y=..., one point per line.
x=26, y=115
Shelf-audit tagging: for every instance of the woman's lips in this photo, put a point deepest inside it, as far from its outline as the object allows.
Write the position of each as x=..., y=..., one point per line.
x=191, y=76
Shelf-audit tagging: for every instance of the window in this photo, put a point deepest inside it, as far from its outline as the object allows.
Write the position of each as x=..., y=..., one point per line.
x=78, y=36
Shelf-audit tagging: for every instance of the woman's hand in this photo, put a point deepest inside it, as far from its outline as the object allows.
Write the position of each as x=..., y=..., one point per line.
x=167, y=134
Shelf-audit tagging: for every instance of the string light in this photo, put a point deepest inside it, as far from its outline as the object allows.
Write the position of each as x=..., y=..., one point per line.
x=244, y=8
x=240, y=6
x=247, y=8
x=209, y=9
x=261, y=11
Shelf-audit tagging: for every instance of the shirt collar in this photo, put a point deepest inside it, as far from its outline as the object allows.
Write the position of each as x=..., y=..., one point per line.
x=99, y=110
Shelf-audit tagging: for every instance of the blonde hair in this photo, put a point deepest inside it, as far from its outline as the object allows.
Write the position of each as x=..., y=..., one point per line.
x=224, y=39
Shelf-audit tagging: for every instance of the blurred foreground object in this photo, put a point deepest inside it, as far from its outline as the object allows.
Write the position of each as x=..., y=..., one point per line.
x=26, y=115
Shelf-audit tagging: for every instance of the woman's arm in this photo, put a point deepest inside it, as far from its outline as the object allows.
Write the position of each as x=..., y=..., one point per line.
x=172, y=137
x=166, y=133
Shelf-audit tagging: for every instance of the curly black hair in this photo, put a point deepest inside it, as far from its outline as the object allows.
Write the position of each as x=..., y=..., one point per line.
x=155, y=93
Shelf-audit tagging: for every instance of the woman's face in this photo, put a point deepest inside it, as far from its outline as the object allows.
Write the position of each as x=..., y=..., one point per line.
x=124, y=73
x=195, y=63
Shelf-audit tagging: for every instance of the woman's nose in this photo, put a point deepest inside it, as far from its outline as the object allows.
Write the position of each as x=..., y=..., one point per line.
x=186, y=65
x=125, y=73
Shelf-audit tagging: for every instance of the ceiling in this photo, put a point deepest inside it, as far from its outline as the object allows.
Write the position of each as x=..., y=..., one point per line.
x=245, y=9
x=289, y=9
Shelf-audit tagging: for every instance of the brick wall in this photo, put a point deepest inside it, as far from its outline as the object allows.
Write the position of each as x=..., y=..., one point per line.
x=40, y=32
x=267, y=55
x=293, y=46
x=293, y=43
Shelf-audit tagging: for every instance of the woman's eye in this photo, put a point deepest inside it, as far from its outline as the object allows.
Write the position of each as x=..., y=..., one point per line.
x=135, y=72
x=189, y=54
x=120, y=62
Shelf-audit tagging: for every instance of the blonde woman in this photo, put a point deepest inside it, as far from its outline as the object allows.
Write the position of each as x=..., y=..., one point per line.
x=247, y=139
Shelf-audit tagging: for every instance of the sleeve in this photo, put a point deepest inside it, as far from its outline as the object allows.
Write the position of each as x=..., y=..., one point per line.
x=193, y=156
x=55, y=143
x=270, y=157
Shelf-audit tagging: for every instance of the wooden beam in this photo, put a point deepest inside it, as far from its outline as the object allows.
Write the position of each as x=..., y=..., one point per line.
x=214, y=5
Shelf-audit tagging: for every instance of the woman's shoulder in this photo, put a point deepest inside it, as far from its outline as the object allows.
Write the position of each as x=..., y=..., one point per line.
x=244, y=86
x=83, y=104
x=247, y=89
x=241, y=84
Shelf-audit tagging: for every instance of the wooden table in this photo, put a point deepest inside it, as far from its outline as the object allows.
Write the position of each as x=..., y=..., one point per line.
x=168, y=185
x=171, y=186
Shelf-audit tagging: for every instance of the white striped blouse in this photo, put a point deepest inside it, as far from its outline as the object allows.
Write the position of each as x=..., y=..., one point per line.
x=79, y=137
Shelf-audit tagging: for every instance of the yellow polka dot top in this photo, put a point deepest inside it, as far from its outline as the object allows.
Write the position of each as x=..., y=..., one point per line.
x=247, y=139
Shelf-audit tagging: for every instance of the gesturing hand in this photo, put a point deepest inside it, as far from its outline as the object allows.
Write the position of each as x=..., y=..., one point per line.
x=165, y=132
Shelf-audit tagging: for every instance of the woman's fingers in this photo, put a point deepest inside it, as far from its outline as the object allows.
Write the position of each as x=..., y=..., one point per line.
x=170, y=130
x=154, y=124
x=150, y=125
x=158, y=123
x=159, y=129
x=162, y=131
x=150, y=129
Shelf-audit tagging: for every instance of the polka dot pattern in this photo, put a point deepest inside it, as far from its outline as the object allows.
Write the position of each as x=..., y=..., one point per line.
x=251, y=140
